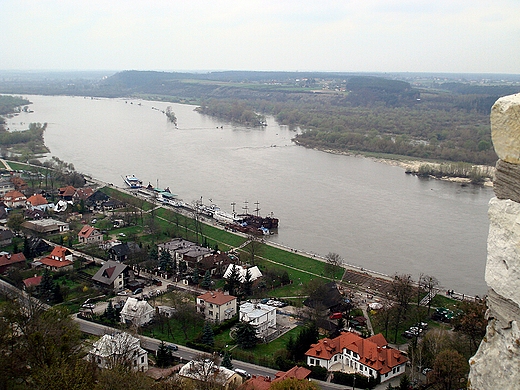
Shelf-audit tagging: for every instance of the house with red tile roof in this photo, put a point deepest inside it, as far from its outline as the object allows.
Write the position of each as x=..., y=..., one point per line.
x=9, y=260
x=90, y=235
x=14, y=199
x=38, y=202
x=351, y=353
x=82, y=194
x=217, y=306
x=259, y=382
x=32, y=282
x=60, y=259
x=66, y=193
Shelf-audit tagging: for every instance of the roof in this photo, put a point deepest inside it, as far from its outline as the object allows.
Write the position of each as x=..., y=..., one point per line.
x=216, y=297
x=325, y=297
x=135, y=308
x=249, y=311
x=373, y=351
x=37, y=200
x=87, y=231
x=6, y=234
x=116, y=344
x=254, y=272
x=13, y=195
x=67, y=191
x=109, y=272
x=60, y=252
x=295, y=372
x=34, y=281
x=84, y=193
x=55, y=263
x=12, y=259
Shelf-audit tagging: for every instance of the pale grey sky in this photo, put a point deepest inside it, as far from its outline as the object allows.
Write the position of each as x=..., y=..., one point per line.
x=467, y=36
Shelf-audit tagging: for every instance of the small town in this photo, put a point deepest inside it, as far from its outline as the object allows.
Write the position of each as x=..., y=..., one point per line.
x=185, y=298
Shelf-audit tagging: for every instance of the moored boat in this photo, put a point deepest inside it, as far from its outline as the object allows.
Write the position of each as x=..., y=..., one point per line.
x=132, y=181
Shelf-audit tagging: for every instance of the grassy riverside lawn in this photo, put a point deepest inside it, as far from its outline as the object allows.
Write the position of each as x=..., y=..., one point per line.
x=301, y=268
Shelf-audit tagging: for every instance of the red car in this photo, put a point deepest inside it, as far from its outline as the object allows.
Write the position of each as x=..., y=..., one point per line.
x=336, y=316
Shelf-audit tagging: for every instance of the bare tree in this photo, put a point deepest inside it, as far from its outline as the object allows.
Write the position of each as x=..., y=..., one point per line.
x=402, y=291
x=253, y=248
x=205, y=371
x=429, y=284
x=333, y=261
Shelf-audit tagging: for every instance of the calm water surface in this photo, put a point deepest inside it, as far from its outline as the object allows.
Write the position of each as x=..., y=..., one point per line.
x=374, y=215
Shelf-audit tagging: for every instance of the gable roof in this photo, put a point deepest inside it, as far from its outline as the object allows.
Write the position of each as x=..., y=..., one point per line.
x=107, y=278
x=8, y=259
x=83, y=193
x=6, y=234
x=216, y=297
x=60, y=252
x=66, y=191
x=295, y=372
x=87, y=231
x=136, y=308
x=34, y=281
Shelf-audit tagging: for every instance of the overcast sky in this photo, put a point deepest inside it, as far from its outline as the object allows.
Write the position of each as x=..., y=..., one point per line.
x=467, y=36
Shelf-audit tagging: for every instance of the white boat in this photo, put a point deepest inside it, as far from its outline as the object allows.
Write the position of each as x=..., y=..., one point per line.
x=132, y=181
x=223, y=217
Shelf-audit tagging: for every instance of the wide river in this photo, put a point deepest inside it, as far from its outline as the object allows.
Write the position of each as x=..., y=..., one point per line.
x=372, y=214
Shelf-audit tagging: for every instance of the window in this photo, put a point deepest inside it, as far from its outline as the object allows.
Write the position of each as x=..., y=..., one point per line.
x=311, y=361
x=142, y=359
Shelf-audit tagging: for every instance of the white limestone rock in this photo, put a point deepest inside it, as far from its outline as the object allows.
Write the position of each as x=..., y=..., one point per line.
x=505, y=128
x=503, y=260
x=496, y=363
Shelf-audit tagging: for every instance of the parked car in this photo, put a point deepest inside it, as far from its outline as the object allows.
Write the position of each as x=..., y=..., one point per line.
x=242, y=373
x=138, y=291
x=122, y=293
x=426, y=371
x=172, y=347
x=88, y=306
x=336, y=316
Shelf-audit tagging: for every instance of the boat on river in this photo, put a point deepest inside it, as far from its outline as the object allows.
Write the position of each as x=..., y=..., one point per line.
x=132, y=181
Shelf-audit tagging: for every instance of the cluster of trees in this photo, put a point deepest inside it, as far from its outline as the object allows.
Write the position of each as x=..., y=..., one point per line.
x=231, y=110
x=476, y=174
x=10, y=104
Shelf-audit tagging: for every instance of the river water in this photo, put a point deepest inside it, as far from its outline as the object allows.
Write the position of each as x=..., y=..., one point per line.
x=372, y=214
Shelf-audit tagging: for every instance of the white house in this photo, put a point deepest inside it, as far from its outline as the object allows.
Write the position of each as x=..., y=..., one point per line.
x=262, y=317
x=353, y=354
x=253, y=271
x=119, y=349
x=137, y=312
x=217, y=306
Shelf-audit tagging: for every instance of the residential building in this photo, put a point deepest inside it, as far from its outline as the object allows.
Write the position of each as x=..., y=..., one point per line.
x=38, y=202
x=136, y=312
x=123, y=251
x=351, y=353
x=259, y=382
x=8, y=260
x=60, y=259
x=46, y=226
x=183, y=250
x=5, y=187
x=206, y=371
x=14, y=199
x=116, y=349
x=6, y=237
x=261, y=316
x=66, y=193
x=112, y=275
x=90, y=235
x=32, y=282
x=217, y=306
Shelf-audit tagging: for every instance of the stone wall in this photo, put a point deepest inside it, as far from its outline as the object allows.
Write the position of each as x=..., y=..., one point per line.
x=496, y=365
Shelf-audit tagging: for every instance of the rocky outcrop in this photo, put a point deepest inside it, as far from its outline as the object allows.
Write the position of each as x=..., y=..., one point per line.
x=496, y=365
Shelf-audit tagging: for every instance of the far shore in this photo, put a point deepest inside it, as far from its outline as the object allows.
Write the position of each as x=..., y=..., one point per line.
x=410, y=165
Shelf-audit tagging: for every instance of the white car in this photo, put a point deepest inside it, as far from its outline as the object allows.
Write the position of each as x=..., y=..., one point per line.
x=88, y=306
x=122, y=293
